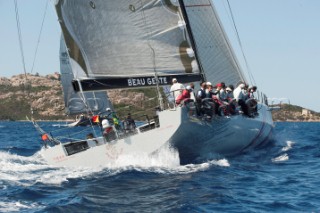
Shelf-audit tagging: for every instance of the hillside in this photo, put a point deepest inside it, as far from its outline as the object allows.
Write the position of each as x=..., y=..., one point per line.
x=43, y=94
x=290, y=112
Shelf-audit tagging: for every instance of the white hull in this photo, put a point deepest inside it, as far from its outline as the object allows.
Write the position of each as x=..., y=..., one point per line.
x=193, y=138
x=102, y=153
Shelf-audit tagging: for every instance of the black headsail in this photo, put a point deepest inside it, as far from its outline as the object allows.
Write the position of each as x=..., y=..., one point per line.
x=213, y=49
x=191, y=37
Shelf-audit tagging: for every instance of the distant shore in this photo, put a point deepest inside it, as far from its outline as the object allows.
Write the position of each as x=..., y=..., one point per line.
x=70, y=120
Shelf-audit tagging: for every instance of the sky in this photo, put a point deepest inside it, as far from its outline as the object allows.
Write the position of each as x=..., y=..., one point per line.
x=280, y=40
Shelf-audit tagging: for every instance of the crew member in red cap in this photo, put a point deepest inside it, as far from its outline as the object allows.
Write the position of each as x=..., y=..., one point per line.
x=220, y=99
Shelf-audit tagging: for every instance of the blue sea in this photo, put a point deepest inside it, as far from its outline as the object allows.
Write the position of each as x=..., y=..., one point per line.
x=284, y=176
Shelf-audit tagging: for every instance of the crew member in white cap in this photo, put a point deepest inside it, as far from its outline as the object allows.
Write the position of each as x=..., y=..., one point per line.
x=229, y=93
x=176, y=88
x=240, y=96
x=239, y=93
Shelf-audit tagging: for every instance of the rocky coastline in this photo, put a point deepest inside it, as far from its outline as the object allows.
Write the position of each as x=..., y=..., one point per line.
x=43, y=94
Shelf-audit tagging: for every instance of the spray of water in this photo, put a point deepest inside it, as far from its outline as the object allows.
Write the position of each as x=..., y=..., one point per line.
x=288, y=146
x=284, y=156
x=26, y=171
x=17, y=206
x=280, y=158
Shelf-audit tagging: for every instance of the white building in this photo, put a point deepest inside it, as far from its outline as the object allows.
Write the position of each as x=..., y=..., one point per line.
x=306, y=112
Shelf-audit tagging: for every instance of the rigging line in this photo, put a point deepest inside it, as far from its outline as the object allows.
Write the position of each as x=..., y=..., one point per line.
x=20, y=37
x=153, y=57
x=86, y=104
x=241, y=47
x=35, y=54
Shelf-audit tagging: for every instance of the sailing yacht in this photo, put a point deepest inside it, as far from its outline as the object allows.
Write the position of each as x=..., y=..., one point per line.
x=133, y=44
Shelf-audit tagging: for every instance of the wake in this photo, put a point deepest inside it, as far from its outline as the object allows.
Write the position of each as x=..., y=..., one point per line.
x=27, y=171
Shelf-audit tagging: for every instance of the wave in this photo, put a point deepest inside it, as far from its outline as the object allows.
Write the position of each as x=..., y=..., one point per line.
x=283, y=155
x=26, y=171
x=17, y=206
x=59, y=125
x=288, y=146
x=192, y=168
x=166, y=160
x=280, y=158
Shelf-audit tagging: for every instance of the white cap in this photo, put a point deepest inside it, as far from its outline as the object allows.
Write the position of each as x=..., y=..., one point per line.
x=189, y=88
x=208, y=83
x=174, y=80
x=108, y=109
x=228, y=89
x=105, y=123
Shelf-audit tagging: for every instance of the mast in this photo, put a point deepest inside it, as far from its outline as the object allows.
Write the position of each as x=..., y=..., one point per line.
x=192, y=41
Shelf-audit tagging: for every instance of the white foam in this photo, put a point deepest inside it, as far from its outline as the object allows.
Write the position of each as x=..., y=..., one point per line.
x=288, y=146
x=165, y=160
x=280, y=158
x=191, y=168
x=17, y=206
x=222, y=162
x=26, y=171
x=165, y=157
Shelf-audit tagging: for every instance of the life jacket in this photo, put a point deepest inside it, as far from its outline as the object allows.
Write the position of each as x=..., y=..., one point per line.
x=108, y=130
x=129, y=124
x=184, y=95
x=201, y=96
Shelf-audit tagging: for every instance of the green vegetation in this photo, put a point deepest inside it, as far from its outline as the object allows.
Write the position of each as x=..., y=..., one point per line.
x=23, y=88
x=18, y=107
x=13, y=109
x=139, y=111
x=16, y=103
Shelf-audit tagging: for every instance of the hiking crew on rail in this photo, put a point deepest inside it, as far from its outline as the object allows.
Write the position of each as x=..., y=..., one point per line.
x=219, y=99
